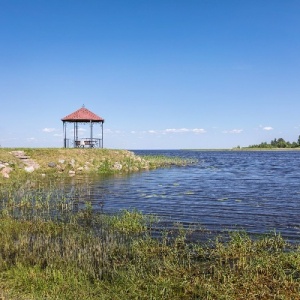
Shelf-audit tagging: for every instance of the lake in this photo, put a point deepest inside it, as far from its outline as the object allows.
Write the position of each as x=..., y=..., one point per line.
x=256, y=191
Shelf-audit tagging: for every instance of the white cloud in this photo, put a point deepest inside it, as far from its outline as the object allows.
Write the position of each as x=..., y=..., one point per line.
x=176, y=130
x=152, y=131
x=268, y=128
x=233, y=131
x=49, y=129
x=198, y=130
x=184, y=130
x=114, y=132
x=159, y=132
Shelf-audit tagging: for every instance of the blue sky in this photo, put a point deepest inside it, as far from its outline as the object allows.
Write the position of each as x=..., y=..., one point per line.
x=163, y=74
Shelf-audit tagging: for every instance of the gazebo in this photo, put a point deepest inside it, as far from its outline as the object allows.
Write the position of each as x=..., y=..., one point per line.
x=83, y=115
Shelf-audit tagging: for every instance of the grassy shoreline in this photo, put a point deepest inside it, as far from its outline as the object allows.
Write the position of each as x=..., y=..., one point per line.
x=60, y=163
x=245, y=149
x=266, y=149
x=85, y=255
x=69, y=260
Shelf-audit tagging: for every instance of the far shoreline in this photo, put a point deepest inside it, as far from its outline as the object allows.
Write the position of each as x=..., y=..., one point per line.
x=246, y=149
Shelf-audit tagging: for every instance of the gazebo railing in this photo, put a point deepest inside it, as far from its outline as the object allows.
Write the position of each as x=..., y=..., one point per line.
x=88, y=143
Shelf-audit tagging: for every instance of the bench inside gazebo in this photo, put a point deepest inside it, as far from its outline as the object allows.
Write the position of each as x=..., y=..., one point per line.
x=85, y=116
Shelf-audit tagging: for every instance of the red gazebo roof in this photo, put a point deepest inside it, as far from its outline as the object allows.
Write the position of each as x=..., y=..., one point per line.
x=82, y=115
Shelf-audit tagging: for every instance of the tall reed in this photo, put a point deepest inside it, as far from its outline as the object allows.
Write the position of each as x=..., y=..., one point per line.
x=93, y=256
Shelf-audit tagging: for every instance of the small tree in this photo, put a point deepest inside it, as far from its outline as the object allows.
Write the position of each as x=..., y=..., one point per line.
x=274, y=142
x=281, y=143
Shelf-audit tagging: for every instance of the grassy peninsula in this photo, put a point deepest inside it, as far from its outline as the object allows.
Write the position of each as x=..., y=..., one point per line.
x=59, y=163
x=88, y=255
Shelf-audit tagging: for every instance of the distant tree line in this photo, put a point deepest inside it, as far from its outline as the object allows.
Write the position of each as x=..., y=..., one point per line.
x=278, y=143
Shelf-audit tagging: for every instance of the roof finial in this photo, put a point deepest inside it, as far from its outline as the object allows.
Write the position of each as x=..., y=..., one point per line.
x=83, y=106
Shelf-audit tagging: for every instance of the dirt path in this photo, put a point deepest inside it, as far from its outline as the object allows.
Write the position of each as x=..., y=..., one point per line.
x=30, y=164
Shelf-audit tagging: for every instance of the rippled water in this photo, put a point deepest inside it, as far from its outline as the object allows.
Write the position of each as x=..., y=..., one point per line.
x=255, y=191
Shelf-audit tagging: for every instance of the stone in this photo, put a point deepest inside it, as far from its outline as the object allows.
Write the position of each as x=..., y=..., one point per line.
x=61, y=161
x=60, y=168
x=17, y=153
x=52, y=164
x=72, y=162
x=72, y=173
x=29, y=169
x=2, y=166
x=5, y=172
x=117, y=166
x=5, y=175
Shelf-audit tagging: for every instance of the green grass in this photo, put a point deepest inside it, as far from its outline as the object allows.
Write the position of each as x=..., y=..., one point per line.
x=93, y=256
x=85, y=255
x=82, y=162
